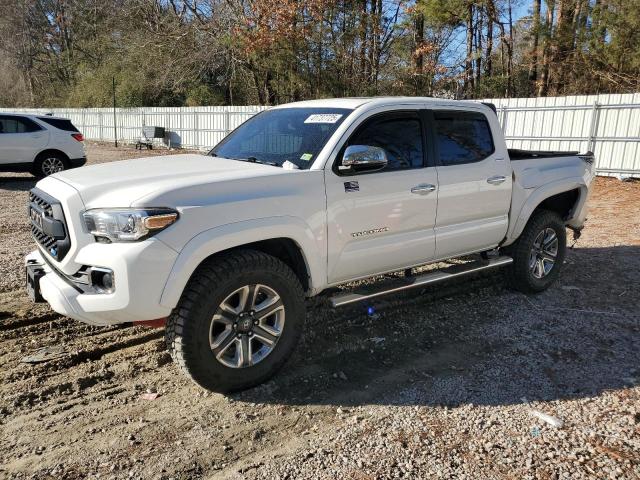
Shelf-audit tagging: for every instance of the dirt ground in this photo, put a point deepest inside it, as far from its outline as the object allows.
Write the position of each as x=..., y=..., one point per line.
x=437, y=383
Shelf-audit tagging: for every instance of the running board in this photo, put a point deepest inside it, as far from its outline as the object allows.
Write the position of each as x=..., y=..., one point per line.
x=425, y=279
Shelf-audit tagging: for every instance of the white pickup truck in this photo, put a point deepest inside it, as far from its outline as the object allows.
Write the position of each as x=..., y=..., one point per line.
x=300, y=198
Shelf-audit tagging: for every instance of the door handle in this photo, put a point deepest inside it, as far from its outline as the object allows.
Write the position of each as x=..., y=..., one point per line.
x=497, y=180
x=423, y=188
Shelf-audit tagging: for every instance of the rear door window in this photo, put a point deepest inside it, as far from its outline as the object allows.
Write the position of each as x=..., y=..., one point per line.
x=462, y=137
x=59, y=123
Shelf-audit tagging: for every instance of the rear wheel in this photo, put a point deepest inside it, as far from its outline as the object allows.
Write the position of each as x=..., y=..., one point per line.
x=538, y=254
x=48, y=164
x=239, y=319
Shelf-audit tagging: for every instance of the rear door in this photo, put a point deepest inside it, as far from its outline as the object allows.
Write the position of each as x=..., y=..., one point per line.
x=383, y=220
x=20, y=139
x=474, y=181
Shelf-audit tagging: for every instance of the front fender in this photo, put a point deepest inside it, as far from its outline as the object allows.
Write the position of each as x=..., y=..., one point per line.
x=232, y=235
x=519, y=219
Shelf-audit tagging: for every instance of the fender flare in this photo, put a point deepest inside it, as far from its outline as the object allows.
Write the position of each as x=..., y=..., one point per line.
x=231, y=235
x=539, y=195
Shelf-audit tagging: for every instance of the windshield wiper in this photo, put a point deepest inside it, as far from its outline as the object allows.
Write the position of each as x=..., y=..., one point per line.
x=248, y=159
x=256, y=160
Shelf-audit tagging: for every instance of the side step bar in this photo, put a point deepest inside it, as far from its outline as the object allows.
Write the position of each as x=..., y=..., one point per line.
x=425, y=279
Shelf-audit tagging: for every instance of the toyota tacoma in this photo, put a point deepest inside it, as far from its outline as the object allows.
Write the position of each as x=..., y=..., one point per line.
x=299, y=199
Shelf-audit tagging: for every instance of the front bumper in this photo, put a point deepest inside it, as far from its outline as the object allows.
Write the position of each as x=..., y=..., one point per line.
x=140, y=271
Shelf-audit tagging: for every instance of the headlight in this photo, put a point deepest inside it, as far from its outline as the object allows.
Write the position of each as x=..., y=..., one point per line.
x=128, y=225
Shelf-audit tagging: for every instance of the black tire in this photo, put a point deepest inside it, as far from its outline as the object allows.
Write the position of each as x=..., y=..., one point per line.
x=42, y=167
x=191, y=322
x=520, y=275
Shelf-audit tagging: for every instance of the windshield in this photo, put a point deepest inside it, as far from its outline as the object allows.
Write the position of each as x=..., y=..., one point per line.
x=294, y=135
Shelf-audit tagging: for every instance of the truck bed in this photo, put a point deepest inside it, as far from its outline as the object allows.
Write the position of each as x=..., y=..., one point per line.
x=533, y=171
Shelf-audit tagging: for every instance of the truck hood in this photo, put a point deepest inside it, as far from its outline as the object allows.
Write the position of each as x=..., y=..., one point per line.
x=122, y=183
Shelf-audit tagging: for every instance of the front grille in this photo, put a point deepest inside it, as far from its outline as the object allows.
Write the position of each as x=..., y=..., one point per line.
x=42, y=238
x=41, y=202
x=48, y=225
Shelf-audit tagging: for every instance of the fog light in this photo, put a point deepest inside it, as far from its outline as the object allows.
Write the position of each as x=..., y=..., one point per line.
x=102, y=280
x=107, y=281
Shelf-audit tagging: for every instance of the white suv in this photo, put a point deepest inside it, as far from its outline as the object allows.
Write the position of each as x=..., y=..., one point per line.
x=39, y=144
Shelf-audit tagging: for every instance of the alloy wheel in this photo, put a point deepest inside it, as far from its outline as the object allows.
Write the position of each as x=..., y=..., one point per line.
x=544, y=253
x=52, y=165
x=247, y=326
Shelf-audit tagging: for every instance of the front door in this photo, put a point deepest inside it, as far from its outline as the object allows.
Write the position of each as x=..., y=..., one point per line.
x=384, y=220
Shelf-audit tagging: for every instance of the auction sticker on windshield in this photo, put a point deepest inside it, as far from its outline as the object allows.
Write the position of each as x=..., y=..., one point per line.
x=323, y=118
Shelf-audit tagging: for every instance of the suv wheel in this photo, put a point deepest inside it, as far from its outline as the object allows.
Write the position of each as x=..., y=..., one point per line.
x=238, y=321
x=48, y=164
x=538, y=253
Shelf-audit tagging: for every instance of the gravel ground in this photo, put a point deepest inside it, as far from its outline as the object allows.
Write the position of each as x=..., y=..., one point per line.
x=438, y=383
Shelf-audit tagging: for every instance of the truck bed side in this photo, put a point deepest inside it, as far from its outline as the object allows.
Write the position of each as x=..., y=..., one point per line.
x=543, y=175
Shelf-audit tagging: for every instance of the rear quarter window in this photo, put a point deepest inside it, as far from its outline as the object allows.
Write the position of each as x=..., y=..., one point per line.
x=61, y=124
x=462, y=137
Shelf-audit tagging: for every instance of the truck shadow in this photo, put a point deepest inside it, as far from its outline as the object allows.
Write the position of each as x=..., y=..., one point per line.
x=17, y=183
x=474, y=342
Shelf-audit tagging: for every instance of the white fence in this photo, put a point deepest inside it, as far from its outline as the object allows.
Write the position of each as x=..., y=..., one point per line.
x=189, y=127
x=608, y=125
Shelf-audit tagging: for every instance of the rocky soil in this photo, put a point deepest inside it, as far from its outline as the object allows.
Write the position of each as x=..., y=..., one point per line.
x=439, y=383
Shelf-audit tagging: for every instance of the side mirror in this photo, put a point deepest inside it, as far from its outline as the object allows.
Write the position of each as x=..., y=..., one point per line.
x=363, y=158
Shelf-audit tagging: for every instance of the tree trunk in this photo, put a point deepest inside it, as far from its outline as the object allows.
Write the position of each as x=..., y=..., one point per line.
x=577, y=39
x=488, y=64
x=469, y=60
x=364, y=28
x=535, y=41
x=478, y=49
x=258, y=84
x=577, y=14
x=561, y=46
x=270, y=92
x=418, y=55
x=510, y=54
x=506, y=60
x=374, y=42
x=543, y=84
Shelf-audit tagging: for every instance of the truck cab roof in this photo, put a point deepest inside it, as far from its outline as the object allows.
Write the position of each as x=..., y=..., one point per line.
x=372, y=102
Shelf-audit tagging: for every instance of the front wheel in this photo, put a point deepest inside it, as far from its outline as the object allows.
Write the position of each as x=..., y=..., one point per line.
x=239, y=319
x=538, y=254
